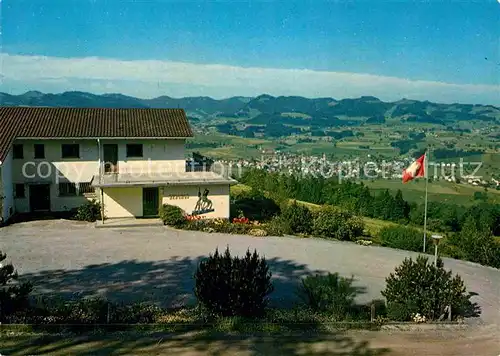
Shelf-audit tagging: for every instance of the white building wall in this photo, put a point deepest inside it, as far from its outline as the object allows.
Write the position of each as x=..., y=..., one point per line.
x=122, y=202
x=6, y=189
x=186, y=198
x=158, y=156
x=53, y=168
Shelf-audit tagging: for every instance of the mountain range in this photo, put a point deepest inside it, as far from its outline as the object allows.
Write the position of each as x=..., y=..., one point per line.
x=266, y=109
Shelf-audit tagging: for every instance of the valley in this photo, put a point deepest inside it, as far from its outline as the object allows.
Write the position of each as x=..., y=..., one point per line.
x=244, y=130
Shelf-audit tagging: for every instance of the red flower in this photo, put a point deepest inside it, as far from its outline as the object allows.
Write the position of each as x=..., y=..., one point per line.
x=242, y=220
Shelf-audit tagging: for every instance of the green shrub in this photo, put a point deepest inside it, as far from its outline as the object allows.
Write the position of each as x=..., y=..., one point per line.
x=380, y=307
x=84, y=311
x=402, y=237
x=258, y=232
x=477, y=245
x=299, y=217
x=401, y=311
x=195, y=225
x=331, y=222
x=217, y=225
x=90, y=211
x=87, y=311
x=236, y=228
x=421, y=287
x=450, y=250
x=329, y=293
x=172, y=215
x=277, y=226
x=436, y=225
x=256, y=207
x=233, y=286
x=13, y=295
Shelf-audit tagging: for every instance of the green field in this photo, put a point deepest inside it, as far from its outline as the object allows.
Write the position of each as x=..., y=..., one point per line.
x=437, y=191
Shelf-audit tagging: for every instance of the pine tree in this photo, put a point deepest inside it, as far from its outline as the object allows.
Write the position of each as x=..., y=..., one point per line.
x=478, y=244
x=384, y=205
x=400, y=209
x=13, y=296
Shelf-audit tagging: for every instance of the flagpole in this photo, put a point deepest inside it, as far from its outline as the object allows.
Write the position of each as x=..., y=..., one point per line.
x=427, y=155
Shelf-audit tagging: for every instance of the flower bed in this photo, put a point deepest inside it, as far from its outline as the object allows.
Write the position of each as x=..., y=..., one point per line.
x=241, y=220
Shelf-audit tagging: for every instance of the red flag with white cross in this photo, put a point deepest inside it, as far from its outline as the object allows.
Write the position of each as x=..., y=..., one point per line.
x=416, y=169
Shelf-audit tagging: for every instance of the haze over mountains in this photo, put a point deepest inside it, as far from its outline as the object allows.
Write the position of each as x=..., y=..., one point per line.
x=266, y=109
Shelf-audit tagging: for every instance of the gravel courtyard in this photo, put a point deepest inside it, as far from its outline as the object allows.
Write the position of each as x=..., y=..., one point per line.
x=157, y=263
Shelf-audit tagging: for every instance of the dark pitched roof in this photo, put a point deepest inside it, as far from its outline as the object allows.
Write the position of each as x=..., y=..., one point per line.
x=48, y=122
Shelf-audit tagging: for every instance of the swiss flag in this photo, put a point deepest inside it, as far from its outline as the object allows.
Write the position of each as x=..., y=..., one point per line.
x=416, y=169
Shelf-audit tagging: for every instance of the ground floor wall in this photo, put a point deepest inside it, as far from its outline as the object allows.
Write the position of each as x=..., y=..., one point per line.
x=122, y=202
x=56, y=203
x=210, y=201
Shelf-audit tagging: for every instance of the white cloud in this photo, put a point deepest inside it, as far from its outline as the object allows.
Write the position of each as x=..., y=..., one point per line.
x=150, y=78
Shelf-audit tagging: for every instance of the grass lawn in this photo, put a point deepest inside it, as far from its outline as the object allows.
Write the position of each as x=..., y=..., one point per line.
x=438, y=191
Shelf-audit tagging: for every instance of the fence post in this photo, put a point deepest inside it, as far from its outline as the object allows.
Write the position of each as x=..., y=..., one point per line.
x=372, y=312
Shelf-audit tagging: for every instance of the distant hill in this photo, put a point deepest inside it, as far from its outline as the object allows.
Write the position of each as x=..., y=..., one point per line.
x=269, y=110
x=202, y=106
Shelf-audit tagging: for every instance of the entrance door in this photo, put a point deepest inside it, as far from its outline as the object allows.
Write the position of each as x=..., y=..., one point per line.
x=150, y=201
x=110, y=157
x=39, y=197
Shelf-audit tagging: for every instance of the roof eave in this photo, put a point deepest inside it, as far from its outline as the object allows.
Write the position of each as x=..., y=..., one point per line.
x=106, y=138
x=163, y=183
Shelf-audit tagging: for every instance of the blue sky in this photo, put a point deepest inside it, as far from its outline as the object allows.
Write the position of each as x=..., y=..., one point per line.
x=390, y=49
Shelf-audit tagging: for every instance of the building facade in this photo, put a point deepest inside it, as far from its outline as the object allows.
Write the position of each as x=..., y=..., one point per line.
x=130, y=160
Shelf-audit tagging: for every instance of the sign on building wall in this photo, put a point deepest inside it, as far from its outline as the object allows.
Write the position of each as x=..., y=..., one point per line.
x=183, y=199
x=204, y=205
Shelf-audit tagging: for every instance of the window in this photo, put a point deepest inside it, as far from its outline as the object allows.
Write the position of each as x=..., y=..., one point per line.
x=18, y=151
x=70, y=151
x=19, y=191
x=67, y=189
x=86, y=188
x=134, y=150
x=39, y=150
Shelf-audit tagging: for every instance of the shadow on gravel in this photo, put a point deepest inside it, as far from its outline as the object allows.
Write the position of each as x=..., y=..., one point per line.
x=27, y=217
x=334, y=344
x=170, y=284
x=167, y=283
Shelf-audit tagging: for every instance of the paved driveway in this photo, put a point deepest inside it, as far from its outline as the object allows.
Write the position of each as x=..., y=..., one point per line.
x=157, y=263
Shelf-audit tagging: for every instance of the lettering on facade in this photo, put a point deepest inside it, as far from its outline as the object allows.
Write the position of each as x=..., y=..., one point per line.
x=203, y=205
x=178, y=196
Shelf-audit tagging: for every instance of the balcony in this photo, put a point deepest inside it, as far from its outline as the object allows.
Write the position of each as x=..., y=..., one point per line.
x=158, y=179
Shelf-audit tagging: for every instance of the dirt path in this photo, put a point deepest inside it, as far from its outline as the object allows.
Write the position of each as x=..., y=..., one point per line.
x=356, y=343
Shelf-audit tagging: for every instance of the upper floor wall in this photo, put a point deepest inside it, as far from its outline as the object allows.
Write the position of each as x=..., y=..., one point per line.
x=79, y=160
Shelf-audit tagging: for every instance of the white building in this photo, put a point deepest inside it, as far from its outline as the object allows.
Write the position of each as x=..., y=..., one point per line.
x=131, y=160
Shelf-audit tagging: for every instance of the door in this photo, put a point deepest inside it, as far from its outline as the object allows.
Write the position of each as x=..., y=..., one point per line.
x=150, y=201
x=110, y=157
x=39, y=197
